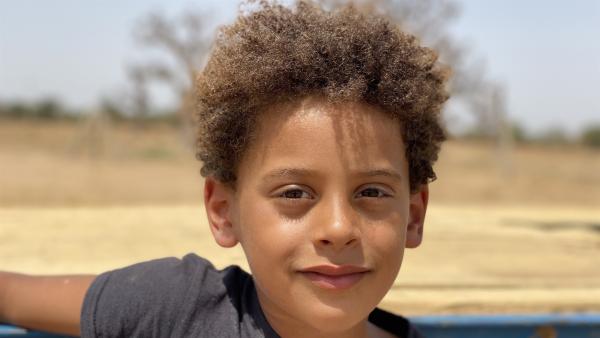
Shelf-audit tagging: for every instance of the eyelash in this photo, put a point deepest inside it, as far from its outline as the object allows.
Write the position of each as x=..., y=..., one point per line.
x=381, y=192
x=293, y=190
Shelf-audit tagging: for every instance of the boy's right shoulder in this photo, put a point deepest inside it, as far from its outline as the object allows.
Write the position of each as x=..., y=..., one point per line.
x=169, y=275
x=187, y=265
x=150, y=297
x=159, y=273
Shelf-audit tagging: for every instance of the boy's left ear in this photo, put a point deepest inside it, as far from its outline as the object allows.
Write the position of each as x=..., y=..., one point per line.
x=418, y=207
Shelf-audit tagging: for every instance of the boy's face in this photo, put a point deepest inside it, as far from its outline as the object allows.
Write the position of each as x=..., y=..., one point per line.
x=323, y=211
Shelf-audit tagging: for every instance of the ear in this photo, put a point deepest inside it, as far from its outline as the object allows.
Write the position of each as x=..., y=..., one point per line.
x=418, y=207
x=218, y=199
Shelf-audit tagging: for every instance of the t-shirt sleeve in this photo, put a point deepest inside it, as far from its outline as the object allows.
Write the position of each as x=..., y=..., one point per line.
x=145, y=299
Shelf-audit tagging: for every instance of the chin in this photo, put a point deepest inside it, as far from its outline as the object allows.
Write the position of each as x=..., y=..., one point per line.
x=329, y=319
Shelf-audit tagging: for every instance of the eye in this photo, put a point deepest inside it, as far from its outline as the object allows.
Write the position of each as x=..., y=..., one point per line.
x=294, y=201
x=295, y=193
x=372, y=192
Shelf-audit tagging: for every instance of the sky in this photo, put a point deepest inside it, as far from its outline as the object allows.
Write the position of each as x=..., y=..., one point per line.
x=546, y=54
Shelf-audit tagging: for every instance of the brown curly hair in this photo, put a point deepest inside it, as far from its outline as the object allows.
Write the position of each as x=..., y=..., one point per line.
x=278, y=53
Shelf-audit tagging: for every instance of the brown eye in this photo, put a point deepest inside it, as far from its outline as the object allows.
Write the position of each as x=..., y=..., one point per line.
x=372, y=193
x=295, y=194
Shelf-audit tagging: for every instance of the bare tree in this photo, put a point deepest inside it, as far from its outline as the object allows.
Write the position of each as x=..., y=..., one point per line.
x=430, y=21
x=139, y=96
x=185, y=40
x=485, y=99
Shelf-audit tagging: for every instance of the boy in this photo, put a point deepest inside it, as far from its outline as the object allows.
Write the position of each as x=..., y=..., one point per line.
x=317, y=133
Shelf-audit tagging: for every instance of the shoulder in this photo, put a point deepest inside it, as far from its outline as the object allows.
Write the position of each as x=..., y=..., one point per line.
x=165, y=278
x=165, y=274
x=151, y=297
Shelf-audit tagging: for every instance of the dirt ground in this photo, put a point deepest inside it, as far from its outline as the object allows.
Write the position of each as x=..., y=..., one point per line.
x=473, y=259
x=503, y=234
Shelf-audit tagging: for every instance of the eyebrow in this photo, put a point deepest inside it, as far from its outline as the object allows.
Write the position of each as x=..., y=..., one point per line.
x=303, y=172
x=288, y=172
x=382, y=172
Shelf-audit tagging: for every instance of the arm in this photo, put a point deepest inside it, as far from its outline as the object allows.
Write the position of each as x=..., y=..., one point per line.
x=47, y=303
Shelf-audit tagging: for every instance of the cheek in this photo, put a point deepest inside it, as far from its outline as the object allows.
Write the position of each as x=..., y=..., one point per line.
x=387, y=240
x=266, y=237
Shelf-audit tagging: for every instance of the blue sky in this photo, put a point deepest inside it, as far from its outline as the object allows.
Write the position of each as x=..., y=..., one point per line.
x=546, y=53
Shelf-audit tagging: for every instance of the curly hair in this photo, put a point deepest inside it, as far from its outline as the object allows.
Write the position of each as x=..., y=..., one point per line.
x=280, y=53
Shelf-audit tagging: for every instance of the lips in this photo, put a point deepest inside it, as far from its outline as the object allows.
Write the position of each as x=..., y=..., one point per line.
x=334, y=277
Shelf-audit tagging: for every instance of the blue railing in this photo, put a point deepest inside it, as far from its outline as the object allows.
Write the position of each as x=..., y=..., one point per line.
x=11, y=331
x=578, y=325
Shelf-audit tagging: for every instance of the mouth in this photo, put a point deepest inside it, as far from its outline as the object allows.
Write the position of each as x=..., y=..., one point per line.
x=334, y=277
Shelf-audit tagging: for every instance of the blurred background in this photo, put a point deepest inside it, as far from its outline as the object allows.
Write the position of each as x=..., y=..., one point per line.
x=97, y=165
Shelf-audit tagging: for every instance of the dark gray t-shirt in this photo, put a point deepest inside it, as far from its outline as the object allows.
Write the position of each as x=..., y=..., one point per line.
x=187, y=297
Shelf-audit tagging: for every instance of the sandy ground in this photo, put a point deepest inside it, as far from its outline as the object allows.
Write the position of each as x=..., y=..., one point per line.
x=476, y=259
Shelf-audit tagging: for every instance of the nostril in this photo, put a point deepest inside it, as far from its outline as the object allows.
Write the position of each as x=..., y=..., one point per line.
x=328, y=242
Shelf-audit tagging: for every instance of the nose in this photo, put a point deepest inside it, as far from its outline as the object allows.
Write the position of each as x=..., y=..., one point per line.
x=338, y=226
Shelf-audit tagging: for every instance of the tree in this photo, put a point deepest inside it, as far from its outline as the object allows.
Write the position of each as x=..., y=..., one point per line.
x=138, y=77
x=185, y=40
x=430, y=20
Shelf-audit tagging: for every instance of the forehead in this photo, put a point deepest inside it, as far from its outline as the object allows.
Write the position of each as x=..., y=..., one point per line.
x=326, y=137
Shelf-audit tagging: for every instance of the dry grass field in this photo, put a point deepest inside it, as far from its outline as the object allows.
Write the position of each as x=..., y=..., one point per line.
x=526, y=239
